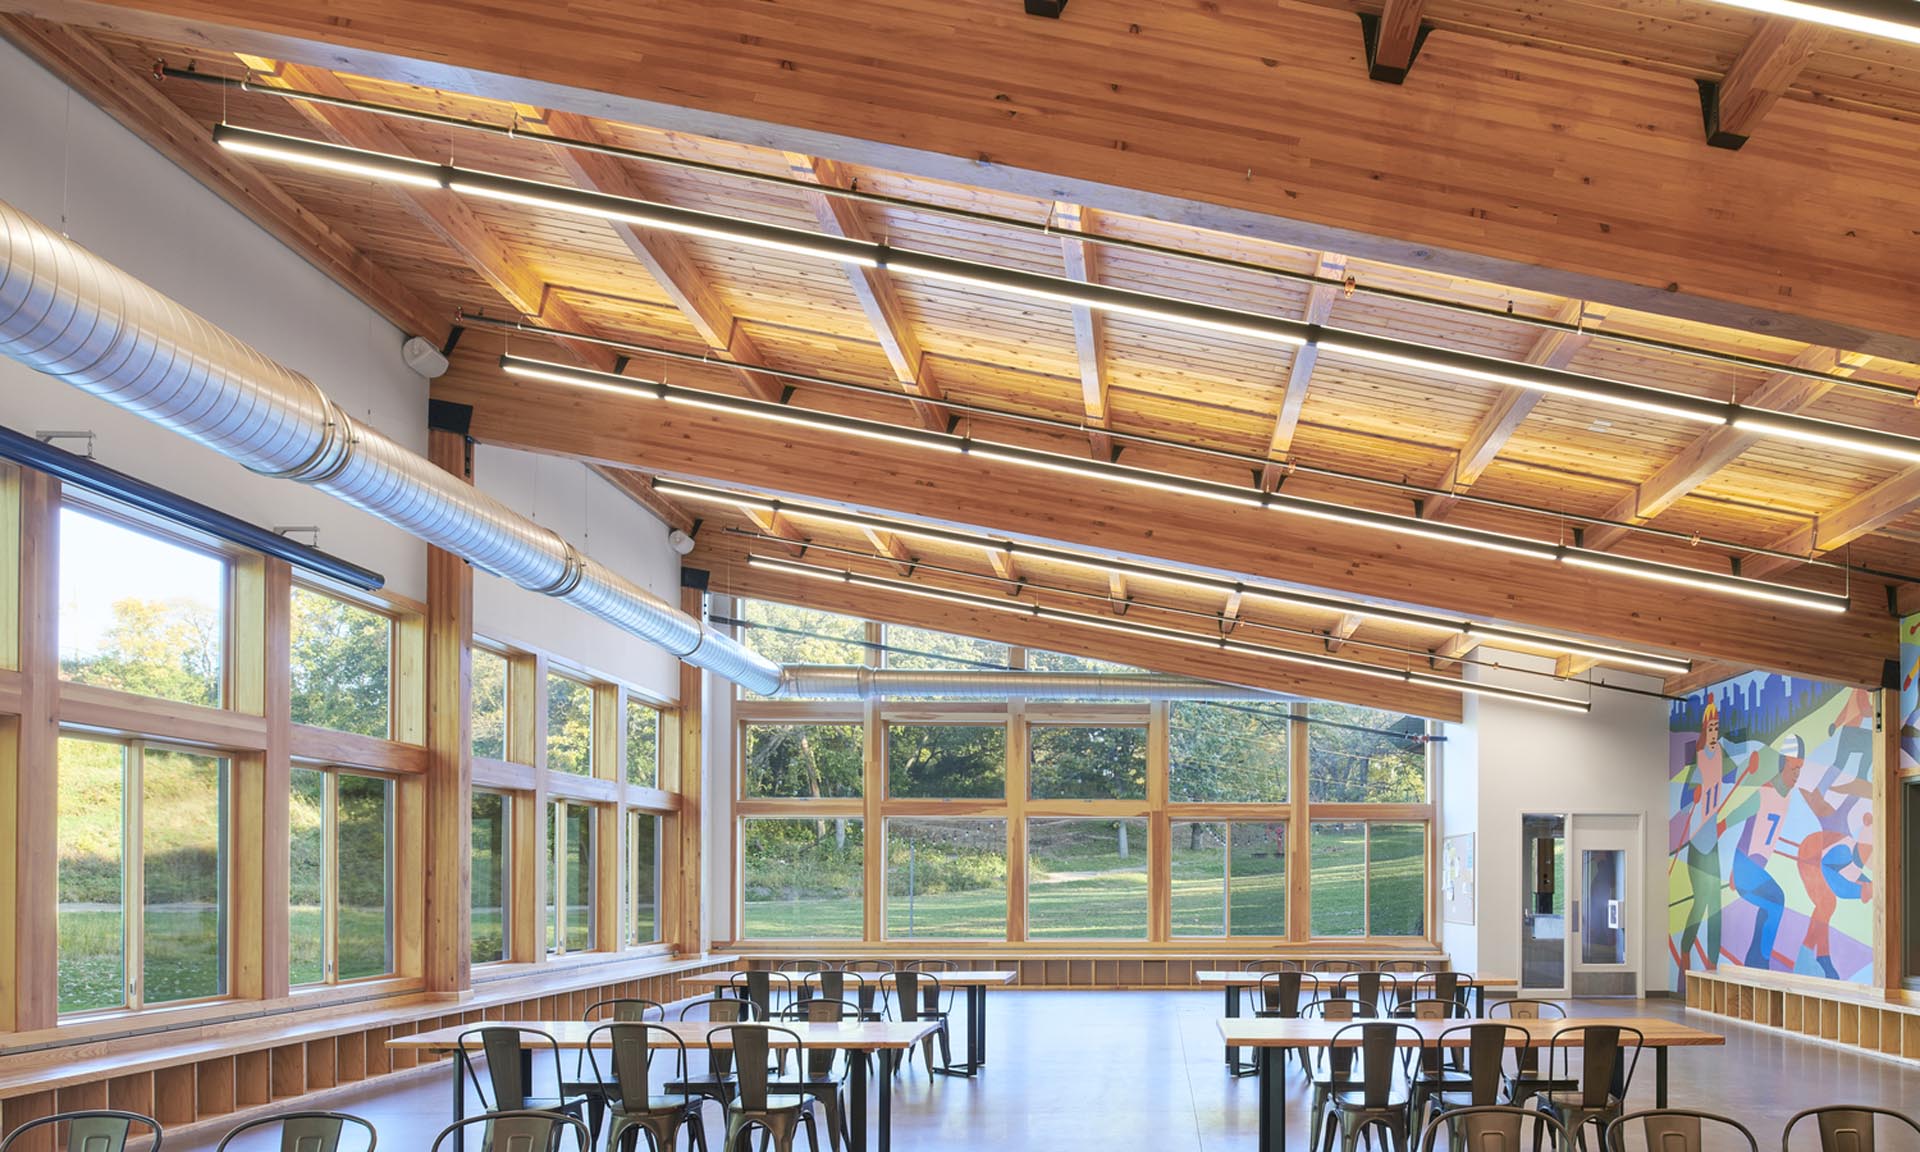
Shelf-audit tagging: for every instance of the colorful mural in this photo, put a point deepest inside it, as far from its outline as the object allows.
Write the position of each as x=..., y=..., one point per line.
x=1910, y=692
x=1770, y=840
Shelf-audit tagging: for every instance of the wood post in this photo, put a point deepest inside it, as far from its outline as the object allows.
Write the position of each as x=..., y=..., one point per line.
x=446, y=956
x=1159, y=826
x=609, y=820
x=1299, y=829
x=260, y=783
x=688, y=930
x=29, y=764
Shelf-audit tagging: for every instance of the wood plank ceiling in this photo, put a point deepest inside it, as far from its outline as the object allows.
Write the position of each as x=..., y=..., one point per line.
x=1466, y=452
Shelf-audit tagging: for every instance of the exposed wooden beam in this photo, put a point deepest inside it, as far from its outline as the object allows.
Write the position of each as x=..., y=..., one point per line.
x=638, y=487
x=1759, y=76
x=664, y=256
x=1704, y=673
x=872, y=287
x=1393, y=39
x=1717, y=447
x=143, y=109
x=1230, y=613
x=1884, y=503
x=1320, y=298
x=891, y=545
x=1567, y=666
x=1005, y=566
x=1117, y=597
x=1454, y=649
x=774, y=524
x=1343, y=630
x=1089, y=327
x=447, y=217
x=1551, y=349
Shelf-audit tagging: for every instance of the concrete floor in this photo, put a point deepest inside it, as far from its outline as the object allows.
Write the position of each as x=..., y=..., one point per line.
x=1143, y=1070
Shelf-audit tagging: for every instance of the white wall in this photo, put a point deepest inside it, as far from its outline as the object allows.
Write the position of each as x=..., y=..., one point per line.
x=62, y=158
x=1459, y=793
x=1611, y=761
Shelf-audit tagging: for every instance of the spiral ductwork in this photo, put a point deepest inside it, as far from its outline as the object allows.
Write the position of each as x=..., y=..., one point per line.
x=72, y=315
x=841, y=683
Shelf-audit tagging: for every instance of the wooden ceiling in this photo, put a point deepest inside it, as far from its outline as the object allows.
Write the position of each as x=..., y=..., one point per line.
x=1483, y=451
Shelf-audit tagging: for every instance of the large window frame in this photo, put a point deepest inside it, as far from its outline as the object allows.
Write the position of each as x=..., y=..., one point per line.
x=332, y=904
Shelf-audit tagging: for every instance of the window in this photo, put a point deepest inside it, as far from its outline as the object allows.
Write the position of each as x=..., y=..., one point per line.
x=947, y=761
x=1228, y=752
x=489, y=694
x=1229, y=879
x=1062, y=662
x=801, y=879
x=341, y=922
x=643, y=744
x=142, y=886
x=140, y=613
x=798, y=761
x=946, y=879
x=570, y=902
x=1086, y=879
x=569, y=725
x=491, y=873
x=1368, y=879
x=342, y=665
x=643, y=877
x=1361, y=755
x=920, y=648
x=1087, y=763
x=788, y=635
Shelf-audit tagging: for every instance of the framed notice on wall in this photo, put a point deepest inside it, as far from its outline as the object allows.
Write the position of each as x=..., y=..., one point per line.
x=1456, y=879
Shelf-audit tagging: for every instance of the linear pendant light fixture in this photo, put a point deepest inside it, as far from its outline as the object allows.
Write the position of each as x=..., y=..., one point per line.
x=1103, y=472
x=1062, y=289
x=1103, y=566
x=1156, y=632
x=1890, y=19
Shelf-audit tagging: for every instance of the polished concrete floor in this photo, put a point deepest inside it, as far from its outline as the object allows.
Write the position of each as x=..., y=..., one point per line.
x=1143, y=1070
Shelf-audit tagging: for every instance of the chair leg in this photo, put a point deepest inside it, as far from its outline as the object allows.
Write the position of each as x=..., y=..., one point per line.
x=1316, y=1118
x=698, y=1124
x=813, y=1134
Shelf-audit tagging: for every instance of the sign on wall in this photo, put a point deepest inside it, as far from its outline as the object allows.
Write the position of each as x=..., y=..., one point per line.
x=1457, y=879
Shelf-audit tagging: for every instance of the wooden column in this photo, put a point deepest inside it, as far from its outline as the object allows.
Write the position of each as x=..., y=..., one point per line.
x=1017, y=820
x=1159, y=827
x=527, y=744
x=688, y=931
x=1299, y=876
x=873, y=788
x=610, y=826
x=410, y=815
x=447, y=910
x=260, y=783
x=29, y=761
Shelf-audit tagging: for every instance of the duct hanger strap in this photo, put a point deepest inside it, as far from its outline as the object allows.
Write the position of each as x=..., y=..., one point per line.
x=334, y=451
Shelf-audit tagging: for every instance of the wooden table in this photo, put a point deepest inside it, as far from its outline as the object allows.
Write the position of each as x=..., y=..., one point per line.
x=1270, y=1037
x=886, y=1037
x=974, y=983
x=1234, y=981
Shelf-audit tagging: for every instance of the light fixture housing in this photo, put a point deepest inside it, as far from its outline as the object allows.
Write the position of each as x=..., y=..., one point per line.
x=330, y=157
x=1887, y=19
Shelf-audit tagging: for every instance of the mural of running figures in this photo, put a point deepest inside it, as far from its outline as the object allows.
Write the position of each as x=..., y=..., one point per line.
x=1770, y=838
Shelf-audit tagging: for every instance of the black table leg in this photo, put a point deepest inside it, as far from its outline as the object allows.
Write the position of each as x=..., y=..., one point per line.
x=1273, y=1100
x=459, y=1088
x=1233, y=1013
x=886, y=1102
x=976, y=1034
x=1660, y=1077
x=857, y=1104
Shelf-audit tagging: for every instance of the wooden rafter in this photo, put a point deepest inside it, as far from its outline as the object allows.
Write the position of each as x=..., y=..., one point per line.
x=1704, y=673
x=873, y=287
x=1320, y=298
x=1716, y=448
x=1884, y=503
x=143, y=109
x=445, y=216
x=638, y=487
x=1089, y=327
x=1004, y=565
x=1343, y=630
x=1567, y=666
x=772, y=523
x=1118, y=597
x=1759, y=76
x=1454, y=649
x=665, y=257
x=890, y=545
x=1230, y=612
x=1553, y=348
x=1393, y=39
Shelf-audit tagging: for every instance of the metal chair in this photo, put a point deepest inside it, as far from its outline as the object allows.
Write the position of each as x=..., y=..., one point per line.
x=92, y=1130
x=510, y=1068
x=1277, y=997
x=1479, y=1080
x=1337, y=966
x=1609, y=1053
x=762, y=987
x=1455, y=986
x=1673, y=1130
x=305, y=1131
x=937, y=967
x=1492, y=1128
x=803, y=966
x=755, y=1104
x=625, y=1009
x=717, y=1084
x=1373, y=1094
x=1379, y=989
x=1403, y=967
x=1328, y=1068
x=525, y=1130
x=1427, y=1008
x=1272, y=966
x=912, y=992
x=631, y=1104
x=823, y=1073
x=1527, y=1081
x=1844, y=1127
x=875, y=972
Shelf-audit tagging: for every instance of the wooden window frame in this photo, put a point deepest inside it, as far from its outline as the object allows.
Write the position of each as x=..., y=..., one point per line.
x=330, y=775
x=396, y=645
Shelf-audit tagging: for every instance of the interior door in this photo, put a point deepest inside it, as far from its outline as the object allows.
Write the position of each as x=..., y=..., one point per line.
x=1604, y=919
x=1543, y=904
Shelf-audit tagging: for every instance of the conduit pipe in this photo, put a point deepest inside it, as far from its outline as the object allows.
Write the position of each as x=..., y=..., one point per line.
x=72, y=315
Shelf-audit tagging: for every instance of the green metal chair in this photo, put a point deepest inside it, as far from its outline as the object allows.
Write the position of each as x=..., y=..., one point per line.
x=508, y=1086
x=1674, y=1130
x=93, y=1130
x=1491, y=1128
x=717, y=1084
x=625, y=1009
x=633, y=1108
x=523, y=1130
x=755, y=1104
x=306, y=1131
x=1845, y=1127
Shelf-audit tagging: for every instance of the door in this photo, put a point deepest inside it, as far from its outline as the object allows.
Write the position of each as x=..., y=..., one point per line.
x=1604, y=916
x=1543, y=904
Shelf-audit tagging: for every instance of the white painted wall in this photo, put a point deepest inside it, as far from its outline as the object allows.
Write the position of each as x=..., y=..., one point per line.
x=63, y=159
x=1611, y=761
x=1459, y=794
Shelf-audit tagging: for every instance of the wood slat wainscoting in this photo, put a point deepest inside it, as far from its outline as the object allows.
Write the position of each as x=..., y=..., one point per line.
x=216, y=1075
x=1092, y=970
x=1853, y=1015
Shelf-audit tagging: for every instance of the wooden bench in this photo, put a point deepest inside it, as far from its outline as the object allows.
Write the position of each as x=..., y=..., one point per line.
x=1854, y=1015
x=1092, y=968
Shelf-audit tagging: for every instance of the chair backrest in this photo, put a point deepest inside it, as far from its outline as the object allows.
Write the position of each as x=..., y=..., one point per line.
x=501, y=1044
x=306, y=1131
x=1380, y=1053
x=915, y=991
x=1845, y=1127
x=1375, y=988
x=1609, y=1053
x=631, y=1046
x=1526, y=1010
x=1427, y=1008
x=1336, y=966
x=822, y=1063
x=722, y=1010
x=803, y=966
x=627, y=1009
x=868, y=966
x=1272, y=966
x=1403, y=967
x=1488, y=1043
x=1277, y=995
x=516, y=1131
x=1493, y=1128
x=92, y=1130
x=759, y=985
x=1443, y=986
x=832, y=984
x=1335, y=1008
x=752, y=1046
x=932, y=965
x=1674, y=1130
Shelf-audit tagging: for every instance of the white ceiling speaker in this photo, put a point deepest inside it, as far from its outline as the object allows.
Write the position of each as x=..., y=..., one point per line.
x=680, y=542
x=421, y=356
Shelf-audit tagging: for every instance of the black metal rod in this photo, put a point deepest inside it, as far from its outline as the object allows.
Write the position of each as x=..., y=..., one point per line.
x=96, y=477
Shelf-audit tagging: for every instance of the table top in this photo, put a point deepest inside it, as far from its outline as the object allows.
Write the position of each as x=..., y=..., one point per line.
x=947, y=979
x=1254, y=1032
x=853, y=1036
x=1214, y=979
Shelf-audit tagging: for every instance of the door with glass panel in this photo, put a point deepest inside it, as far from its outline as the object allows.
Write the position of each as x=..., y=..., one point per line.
x=1543, y=904
x=1604, y=919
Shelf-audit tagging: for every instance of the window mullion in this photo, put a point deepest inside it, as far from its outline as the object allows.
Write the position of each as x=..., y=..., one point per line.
x=330, y=877
x=134, y=880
